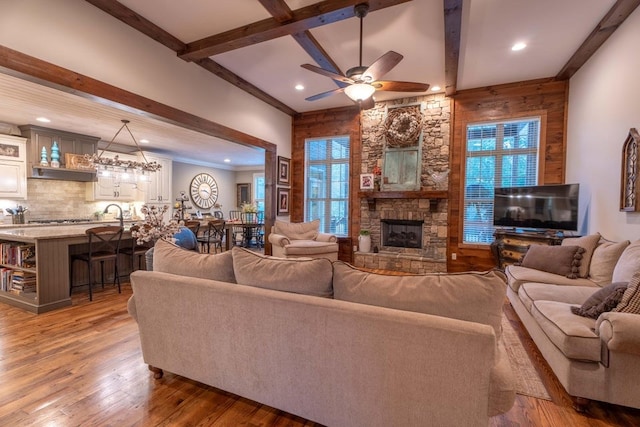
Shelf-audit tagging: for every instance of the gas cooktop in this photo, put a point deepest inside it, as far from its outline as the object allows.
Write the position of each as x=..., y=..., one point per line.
x=59, y=221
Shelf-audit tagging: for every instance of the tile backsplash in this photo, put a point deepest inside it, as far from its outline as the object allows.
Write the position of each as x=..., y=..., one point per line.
x=54, y=199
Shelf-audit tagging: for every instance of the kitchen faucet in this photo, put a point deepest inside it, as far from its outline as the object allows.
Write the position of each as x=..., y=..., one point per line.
x=120, y=209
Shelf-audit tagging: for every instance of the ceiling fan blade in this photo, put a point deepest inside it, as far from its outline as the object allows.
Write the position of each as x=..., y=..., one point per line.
x=324, y=94
x=382, y=66
x=326, y=73
x=393, y=86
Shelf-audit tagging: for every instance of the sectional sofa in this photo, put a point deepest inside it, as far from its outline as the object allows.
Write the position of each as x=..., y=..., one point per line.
x=325, y=341
x=577, y=303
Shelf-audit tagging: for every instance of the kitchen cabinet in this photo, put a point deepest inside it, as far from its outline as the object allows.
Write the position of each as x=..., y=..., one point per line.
x=109, y=188
x=13, y=172
x=158, y=189
x=68, y=143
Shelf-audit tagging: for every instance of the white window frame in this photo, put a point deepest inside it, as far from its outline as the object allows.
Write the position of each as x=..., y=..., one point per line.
x=326, y=222
x=485, y=239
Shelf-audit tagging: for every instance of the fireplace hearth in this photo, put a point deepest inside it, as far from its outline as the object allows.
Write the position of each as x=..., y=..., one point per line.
x=402, y=233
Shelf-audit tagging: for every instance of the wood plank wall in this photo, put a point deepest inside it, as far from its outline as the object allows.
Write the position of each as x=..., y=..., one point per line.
x=327, y=123
x=545, y=98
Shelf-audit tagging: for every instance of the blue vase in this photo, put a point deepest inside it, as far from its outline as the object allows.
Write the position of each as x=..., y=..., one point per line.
x=55, y=155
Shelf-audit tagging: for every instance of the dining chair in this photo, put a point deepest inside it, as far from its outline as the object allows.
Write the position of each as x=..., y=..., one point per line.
x=237, y=233
x=260, y=230
x=135, y=250
x=213, y=235
x=104, y=245
x=249, y=232
x=193, y=225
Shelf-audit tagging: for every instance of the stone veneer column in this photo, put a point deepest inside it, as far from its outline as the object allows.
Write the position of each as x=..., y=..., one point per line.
x=435, y=157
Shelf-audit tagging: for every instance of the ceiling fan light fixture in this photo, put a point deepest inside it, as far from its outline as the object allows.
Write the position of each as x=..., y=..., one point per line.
x=359, y=91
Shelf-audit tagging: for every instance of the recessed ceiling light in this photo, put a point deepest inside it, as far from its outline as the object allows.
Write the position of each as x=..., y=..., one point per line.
x=299, y=87
x=144, y=141
x=435, y=88
x=227, y=160
x=518, y=46
x=43, y=120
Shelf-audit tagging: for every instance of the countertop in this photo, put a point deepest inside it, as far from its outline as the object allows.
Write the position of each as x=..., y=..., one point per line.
x=31, y=233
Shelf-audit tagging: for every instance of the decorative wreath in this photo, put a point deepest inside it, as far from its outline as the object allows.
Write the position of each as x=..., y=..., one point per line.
x=403, y=127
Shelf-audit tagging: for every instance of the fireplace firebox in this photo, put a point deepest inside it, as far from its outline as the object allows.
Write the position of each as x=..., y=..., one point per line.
x=402, y=233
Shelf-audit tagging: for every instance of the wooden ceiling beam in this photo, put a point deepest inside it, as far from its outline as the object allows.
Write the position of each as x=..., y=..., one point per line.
x=148, y=28
x=312, y=16
x=452, y=30
x=282, y=13
x=611, y=21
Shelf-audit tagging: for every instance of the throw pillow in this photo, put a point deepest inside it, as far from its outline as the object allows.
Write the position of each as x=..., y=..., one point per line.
x=628, y=263
x=630, y=302
x=298, y=230
x=605, y=299
x=185, y=238
x=604, y=260
x=561, y=260
x=170, y=258
x=309, y=276
x=472, y=296
x=588, y=243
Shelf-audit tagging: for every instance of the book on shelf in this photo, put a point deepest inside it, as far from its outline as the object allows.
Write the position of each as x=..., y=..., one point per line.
x=20, y=255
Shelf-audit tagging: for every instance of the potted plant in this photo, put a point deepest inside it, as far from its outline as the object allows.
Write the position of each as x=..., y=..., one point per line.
x=364, y=241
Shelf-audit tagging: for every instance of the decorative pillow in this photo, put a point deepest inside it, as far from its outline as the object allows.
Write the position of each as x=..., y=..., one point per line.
x=628, y=263
x=561, y=260
x=298, y=230
x=472, y=296
x=588, y=243
x=604, y=260
x=170, y=258
x=630, y=302
x=298, y=275
x=185, y=238
x=605, y=299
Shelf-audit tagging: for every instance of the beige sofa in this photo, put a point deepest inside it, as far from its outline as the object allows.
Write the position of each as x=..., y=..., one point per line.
x=302, y=239
x=269, y=329
x=593, y=358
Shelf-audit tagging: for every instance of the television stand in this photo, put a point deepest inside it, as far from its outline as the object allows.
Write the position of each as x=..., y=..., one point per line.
x=511, y=245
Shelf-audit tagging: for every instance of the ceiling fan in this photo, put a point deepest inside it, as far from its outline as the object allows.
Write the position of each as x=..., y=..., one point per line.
x=361, y=82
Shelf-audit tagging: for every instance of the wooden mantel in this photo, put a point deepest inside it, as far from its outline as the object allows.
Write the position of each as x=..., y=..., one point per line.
x=434, y=196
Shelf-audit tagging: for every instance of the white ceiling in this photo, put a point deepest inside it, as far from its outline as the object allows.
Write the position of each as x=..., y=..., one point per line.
x=552, y=29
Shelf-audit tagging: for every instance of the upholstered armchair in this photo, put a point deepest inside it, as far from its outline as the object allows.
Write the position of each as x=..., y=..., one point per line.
x=302, y=240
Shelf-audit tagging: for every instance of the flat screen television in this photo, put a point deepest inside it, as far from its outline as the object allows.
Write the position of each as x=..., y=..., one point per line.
x=541, y=207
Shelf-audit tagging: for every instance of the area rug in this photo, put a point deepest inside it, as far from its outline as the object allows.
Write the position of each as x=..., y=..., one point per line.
x=528, y=381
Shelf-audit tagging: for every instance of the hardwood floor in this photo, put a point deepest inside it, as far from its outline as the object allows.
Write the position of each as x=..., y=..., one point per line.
x=82, y=366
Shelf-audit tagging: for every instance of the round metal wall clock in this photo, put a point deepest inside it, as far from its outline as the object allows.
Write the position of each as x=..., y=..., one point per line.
x=204, y=191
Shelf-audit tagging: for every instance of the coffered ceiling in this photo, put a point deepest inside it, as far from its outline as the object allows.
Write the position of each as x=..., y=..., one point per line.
x=259, y=46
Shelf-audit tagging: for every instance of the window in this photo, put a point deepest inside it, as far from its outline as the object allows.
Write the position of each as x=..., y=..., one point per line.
x=500, y=154
x=258, y=190
x=327, y=183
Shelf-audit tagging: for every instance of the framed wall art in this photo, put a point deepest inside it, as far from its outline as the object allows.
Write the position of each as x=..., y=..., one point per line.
x=284, y=171
x=243, y=193
x=366, y=181
x=629, y=189
x=283, y=201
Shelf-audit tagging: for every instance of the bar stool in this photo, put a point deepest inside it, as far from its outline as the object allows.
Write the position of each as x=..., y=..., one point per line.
x=136, y=251
x=104, y=245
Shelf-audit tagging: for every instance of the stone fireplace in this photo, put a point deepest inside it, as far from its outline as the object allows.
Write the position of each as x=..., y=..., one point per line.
x=408, y=228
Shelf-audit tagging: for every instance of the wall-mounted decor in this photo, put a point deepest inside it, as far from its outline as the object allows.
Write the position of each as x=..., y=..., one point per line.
x=403, y=147
x=284, y=171
x=283, y=201
x=243, y=194
x=366, y=181
x=204, y=191
x=629, y=190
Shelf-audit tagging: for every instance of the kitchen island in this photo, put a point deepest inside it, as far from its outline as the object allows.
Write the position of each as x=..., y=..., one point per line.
x=44, y=251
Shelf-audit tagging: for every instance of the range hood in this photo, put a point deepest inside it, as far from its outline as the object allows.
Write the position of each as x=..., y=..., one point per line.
x=62, y=174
